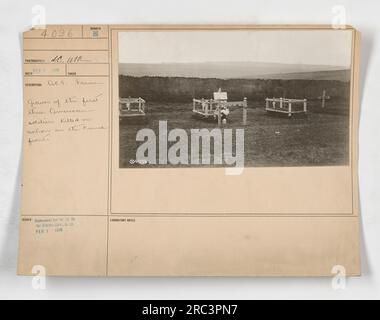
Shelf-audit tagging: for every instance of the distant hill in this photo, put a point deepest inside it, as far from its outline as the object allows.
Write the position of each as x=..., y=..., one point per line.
x=339, y=75
x=236, y=70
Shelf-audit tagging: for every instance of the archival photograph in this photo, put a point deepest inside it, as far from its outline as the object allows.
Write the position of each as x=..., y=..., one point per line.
x=238, y=98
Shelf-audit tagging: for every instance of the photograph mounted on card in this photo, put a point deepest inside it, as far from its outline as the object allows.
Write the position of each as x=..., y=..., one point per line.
x=204, y=105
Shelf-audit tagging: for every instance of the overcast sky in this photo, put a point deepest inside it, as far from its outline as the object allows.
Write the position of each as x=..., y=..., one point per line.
x=322, y=47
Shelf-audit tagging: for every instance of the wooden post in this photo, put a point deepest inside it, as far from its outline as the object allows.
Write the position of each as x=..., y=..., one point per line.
x=324, y=99
x=305, y=105
x=281, y=103
x=194, y=105
x=205, y=107
x=290, y=109
x=267, y=103
x=245, y=106
x=219, y=115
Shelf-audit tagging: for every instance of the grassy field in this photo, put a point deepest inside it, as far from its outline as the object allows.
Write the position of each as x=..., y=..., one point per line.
x=320, y=139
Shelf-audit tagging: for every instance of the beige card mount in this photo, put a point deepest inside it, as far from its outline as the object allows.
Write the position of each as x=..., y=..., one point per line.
x=197, y=150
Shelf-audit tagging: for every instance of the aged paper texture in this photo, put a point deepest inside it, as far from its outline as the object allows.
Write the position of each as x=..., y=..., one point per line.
x=190, y=151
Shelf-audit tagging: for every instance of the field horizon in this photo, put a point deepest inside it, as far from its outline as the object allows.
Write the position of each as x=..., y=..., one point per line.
x=236, y=70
